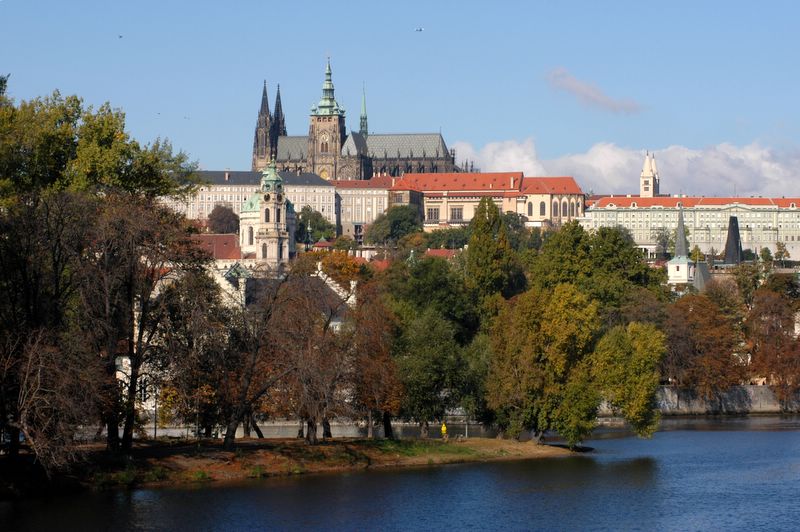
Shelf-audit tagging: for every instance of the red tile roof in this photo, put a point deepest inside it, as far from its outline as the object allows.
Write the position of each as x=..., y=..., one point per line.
x=689, y=202
x=443, y=253
x=550, y=185
x=500, y=181
x=221, y=247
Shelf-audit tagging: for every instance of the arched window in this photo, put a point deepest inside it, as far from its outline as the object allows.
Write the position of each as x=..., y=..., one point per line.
x=263, y=251
x=578, y=208
x=530, y=209
x=250, y=236
x=572, y=209
x=266, y=216
x=555, y=209
x=564, y=209
x=278, y=215
x=542, y=208
x=280, y=251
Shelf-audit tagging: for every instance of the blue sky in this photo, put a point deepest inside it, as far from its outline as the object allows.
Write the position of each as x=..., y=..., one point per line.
x=581, y=88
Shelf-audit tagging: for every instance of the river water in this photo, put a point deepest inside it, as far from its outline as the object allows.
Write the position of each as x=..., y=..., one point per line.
x=732, y=474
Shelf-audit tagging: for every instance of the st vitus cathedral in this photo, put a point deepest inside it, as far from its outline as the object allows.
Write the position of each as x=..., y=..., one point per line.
x=330, y=152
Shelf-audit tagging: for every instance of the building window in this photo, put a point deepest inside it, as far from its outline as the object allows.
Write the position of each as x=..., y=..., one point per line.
x=263, y=251
x=278, y=215
x=266, y=216
x=250, y=236
x=555, y=209
x=456, y=213
x=530, y=209
x=398, y=198
x=564, y=208
x=432, y=214
x=542, y=208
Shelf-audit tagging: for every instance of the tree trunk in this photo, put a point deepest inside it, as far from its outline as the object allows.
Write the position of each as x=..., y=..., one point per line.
x=130, y=407
x=423, y=430
x=246, y=425
x=207, y=431
x=300, y=434
x=326, y=429
x=255, y=427
x=388, y=433
x=311, y=431
x=370, y=432
x=230, y=432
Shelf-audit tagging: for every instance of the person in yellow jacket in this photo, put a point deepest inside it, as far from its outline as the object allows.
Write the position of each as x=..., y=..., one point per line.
x=444, y=431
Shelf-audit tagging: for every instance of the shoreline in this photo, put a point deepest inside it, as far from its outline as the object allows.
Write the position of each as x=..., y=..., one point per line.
x=167, y=464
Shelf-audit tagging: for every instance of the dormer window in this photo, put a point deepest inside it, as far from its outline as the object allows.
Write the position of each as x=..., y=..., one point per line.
x=633, y=205
x=792, y=205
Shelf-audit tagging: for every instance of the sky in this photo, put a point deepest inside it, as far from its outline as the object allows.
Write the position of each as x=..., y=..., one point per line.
x=548, y=88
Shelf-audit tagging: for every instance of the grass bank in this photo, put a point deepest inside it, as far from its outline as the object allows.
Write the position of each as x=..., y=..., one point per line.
x=168, y=463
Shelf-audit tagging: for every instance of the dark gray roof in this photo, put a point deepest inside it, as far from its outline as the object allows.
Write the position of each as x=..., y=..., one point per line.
x=304, y=179
x=355, y=144
x=292, y=148
x=217, y=177
x=410, y=145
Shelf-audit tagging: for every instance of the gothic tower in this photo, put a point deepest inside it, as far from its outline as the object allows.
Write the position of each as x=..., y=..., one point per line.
x=326, y=132
x=278, y=126
x=649, y=181
x=261, y=141
x=363, y=128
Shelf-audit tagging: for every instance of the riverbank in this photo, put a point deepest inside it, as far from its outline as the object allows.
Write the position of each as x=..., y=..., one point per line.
x=170, y=463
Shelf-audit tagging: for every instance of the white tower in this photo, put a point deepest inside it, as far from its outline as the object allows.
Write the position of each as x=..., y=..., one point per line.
x=649, y=181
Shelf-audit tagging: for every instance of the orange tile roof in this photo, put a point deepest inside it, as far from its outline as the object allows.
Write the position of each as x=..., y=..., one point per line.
x=221, y=247
x=443, y=253
x=551, y=185
x=690, y=202
x=464, y=181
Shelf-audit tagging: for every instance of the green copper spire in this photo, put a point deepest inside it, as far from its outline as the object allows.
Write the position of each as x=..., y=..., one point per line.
x=271, y=181
x=328, y=105
x=363, y=129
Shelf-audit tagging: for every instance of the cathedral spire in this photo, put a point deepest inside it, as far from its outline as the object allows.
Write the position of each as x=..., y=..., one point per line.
x=264, y=101
x=279, y=119
x=328, y=104
x=261, y=138
x=363, y=129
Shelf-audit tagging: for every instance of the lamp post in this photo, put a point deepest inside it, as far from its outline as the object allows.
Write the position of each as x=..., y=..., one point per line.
x=308, y=236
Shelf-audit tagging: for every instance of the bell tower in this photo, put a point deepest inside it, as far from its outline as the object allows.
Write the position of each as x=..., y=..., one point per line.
x=326, y=132
x=649, y=180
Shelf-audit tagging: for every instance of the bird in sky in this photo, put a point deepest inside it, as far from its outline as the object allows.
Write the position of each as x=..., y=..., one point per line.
x=419, y=30
x=119, y=36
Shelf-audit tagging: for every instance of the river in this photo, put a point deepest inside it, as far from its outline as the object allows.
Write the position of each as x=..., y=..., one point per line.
x=700, y=474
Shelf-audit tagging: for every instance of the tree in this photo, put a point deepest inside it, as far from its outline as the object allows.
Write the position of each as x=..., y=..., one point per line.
x=540, y=373
x=766, y=256
x=222, y=220
x=427, y=357
x=491, y=265
x=320, y=227
x=393, y=225
x=701, y=347
x=775, y=350
x=696, y=255
x=781, y=253
x=626, y=364
x=748, y=277
x=450, y=238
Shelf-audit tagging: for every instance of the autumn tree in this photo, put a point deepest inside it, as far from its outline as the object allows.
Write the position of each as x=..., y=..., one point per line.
x=781, y=253
x=775, y=350
x=223, y=220
x=702, y=347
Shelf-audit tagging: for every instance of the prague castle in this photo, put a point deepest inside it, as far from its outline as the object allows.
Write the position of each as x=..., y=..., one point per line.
x=332, y=153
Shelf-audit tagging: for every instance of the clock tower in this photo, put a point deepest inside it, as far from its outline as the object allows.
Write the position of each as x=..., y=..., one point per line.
x=326, y=132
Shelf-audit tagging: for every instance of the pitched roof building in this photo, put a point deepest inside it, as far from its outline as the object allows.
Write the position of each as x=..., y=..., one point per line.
x=330, y=152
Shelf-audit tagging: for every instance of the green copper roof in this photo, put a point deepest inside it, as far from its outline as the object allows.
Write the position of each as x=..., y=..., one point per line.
x=271, y=181
x=327, y=106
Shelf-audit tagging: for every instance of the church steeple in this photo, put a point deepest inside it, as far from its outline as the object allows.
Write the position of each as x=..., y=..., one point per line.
x=649, y=181
x=328, y=105
x=279, y=119
x=262, y=138
x=680, y=238
x=363, y=129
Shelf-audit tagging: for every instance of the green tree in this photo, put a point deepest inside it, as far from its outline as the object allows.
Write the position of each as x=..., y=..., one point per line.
x=222, y=220
x=450, y=238
x=393, y=225
x=696, y=255
x=491, y=264
x=539, y=375
x=626, y=363
x=428, y=360
x=319, y=225
x=781, y=253
x=766, y=256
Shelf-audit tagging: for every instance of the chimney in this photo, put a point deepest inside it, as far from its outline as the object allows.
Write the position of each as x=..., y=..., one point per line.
x=227, y=175
x=512, y=182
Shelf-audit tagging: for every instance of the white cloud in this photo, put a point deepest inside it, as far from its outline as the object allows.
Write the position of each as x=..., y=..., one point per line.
x=589, y=93
x=721, y=170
